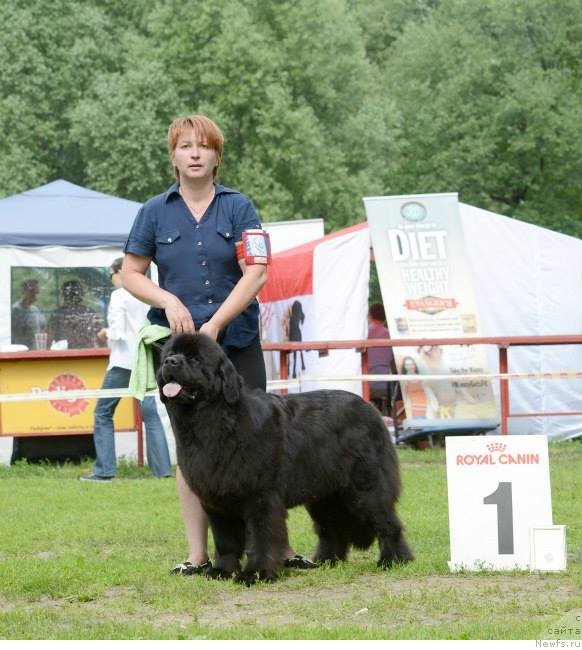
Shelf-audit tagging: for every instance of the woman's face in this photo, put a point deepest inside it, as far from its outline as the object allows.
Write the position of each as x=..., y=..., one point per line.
x=409, y=367
x=193, y=158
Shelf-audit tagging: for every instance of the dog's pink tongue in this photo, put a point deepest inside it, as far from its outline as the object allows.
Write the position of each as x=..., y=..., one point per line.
x=171, y=389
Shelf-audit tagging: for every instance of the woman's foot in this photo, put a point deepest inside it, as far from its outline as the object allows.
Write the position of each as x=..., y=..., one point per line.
x=189, y=569
x=299, y=562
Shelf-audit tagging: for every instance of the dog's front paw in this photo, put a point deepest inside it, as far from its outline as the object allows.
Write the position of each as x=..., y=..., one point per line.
x=400, y=553
x=216, y=573
x=387, y=562
x=249, y=578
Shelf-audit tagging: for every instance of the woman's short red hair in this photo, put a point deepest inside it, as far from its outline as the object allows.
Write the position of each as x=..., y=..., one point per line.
x=203, y=127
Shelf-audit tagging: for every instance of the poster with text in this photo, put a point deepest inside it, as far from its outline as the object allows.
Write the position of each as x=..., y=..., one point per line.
x=427, y=290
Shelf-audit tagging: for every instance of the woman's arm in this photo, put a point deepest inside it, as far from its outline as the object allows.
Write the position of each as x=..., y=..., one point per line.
x=245, y=291
x=135, y=281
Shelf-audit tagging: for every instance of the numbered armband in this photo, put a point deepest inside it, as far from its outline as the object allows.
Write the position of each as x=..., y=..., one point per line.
x=255, y=247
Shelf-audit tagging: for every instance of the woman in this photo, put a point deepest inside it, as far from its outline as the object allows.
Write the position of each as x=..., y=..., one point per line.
x=193, y=233
x=415, y=397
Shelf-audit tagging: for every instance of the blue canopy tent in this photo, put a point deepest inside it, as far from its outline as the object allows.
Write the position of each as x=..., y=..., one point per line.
x=56, y=228
x=64, y=214
x=58, y=225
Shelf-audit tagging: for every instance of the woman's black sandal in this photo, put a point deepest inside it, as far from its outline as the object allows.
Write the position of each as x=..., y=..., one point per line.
x=189, y=569
x=299, y=562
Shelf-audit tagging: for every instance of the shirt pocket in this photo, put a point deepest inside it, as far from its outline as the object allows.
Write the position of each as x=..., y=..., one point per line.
x=167, y=238
x=225, y=231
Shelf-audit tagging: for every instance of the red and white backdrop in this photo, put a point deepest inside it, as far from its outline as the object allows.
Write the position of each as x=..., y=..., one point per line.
x=319, y=292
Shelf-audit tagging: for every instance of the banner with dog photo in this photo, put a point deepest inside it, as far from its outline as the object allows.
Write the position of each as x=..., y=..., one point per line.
x=427, y=289
x=319, y=292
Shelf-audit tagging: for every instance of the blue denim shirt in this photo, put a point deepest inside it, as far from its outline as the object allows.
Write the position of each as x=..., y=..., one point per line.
x=197, y=261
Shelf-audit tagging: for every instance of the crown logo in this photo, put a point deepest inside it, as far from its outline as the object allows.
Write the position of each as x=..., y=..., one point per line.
x=496, y=446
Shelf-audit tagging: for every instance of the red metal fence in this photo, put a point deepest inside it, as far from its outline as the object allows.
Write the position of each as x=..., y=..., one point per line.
x=503, y=343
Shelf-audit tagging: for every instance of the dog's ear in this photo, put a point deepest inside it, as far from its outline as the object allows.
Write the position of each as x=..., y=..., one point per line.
x=230, y=381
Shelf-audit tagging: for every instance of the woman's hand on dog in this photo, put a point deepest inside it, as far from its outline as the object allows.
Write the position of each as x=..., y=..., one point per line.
x=210, y=330
x=179, y=318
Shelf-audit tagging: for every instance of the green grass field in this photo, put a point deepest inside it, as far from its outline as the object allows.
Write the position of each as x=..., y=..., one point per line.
x=86, y=561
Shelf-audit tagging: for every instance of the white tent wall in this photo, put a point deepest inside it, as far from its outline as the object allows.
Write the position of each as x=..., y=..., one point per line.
x=48, y=257
x=528, y=282
x=341, y=274
x=287, y=234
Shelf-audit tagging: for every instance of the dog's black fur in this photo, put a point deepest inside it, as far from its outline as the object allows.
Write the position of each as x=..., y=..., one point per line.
x=250, y=455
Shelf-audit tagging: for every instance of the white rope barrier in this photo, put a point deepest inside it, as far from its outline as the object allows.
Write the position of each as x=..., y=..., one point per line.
x=568, y=374
x=279, y=384
x=68, y=395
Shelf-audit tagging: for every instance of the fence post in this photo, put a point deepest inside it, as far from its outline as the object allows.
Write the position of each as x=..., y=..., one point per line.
x=139, y=429
x=504, y=387
x=284, y=368
x=365, y=368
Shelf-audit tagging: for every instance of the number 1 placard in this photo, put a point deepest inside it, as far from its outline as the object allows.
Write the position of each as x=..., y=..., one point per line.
x=499, y=488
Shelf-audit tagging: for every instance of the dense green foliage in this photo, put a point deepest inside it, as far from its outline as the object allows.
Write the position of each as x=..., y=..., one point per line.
x=321, y=103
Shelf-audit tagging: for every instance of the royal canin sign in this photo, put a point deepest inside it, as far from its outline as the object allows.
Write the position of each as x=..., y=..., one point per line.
x=496, y=454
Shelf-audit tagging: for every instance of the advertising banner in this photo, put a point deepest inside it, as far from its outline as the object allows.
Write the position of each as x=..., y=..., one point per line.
x=61, y=415
x=427, y=290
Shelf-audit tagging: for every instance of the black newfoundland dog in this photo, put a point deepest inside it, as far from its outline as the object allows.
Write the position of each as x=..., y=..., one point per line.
x=250, y=455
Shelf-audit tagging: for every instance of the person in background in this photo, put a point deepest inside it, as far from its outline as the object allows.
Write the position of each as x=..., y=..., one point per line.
x=74, y=321
x=26, y=318
x=380, y=360
x=125, y=316
x=193, y=233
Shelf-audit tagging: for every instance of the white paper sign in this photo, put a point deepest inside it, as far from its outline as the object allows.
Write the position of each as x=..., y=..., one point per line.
x=499, y=488
x=548, y=548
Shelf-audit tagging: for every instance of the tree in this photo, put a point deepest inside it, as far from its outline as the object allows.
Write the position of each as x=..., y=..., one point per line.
x=382, y=22
x=321, y=103
x=120, y=128
x=291, y=88
x=48, y=54
x=489, y=94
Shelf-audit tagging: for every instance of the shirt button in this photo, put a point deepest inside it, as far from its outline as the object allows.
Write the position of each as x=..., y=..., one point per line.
x=197, y=226
x=198, y=243
x=210, y=301
x=227, y=234
x=169, y=240
x=206, y=282
x=204, y=262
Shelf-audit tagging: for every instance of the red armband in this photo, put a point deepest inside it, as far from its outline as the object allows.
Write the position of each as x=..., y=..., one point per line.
x=255, y=247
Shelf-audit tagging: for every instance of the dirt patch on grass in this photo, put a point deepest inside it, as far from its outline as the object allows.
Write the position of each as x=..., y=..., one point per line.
x=374, y=600
x=5, y=605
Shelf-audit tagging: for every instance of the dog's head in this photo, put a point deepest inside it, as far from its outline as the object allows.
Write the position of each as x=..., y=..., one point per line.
x=194, y=368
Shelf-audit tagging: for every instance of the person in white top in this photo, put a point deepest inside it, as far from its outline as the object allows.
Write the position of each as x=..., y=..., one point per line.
x=125, y=316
